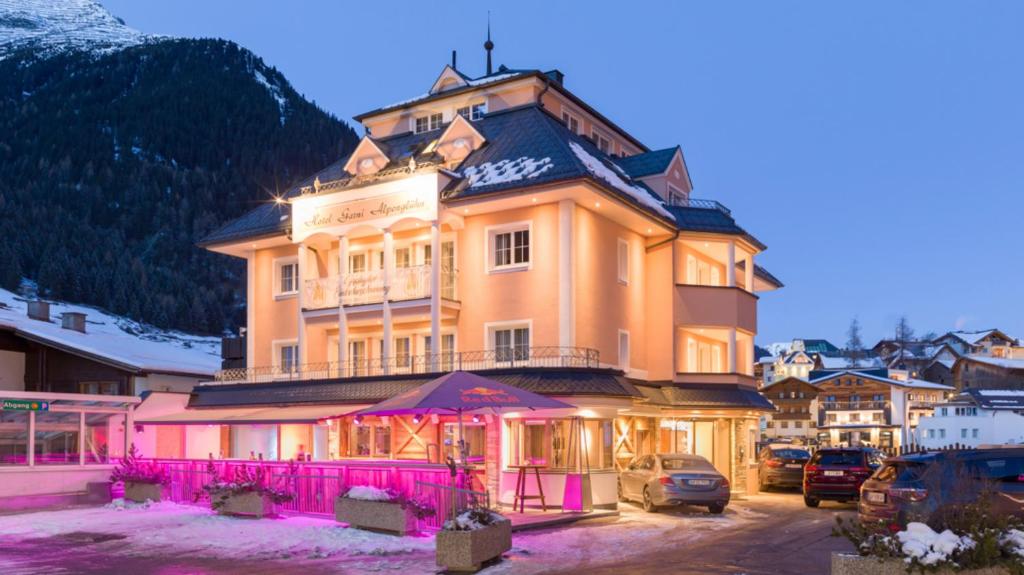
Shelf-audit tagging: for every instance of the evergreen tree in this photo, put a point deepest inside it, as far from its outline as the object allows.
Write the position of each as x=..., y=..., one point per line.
x=854, y=344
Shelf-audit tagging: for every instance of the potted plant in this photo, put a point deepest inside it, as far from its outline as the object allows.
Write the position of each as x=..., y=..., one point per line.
x=375, y=509
x=142, y=481
x=249, y=493
x=472, y=538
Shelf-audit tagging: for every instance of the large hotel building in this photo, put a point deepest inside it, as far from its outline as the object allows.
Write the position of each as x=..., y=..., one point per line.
x=499, y=225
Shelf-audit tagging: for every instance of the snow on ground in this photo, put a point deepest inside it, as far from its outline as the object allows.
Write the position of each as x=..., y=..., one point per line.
x=275, y=93
x=170, y=529
x=600, y=170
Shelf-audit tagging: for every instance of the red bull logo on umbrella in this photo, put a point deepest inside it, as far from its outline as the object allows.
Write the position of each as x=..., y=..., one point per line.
x=481, y=394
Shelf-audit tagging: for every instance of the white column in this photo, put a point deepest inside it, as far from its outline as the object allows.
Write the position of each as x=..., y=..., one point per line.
x=301, y=283
x=250, y=309
x=730, y=264
x=435, y=293
x=342, y=318
x=566, y=304
x=748, y=364
x=748, y=273
x=32, y=438
x=388, y=272
x=129, y=429
x=732, y=350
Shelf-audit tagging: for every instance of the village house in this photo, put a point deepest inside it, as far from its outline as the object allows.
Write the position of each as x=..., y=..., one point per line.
x=974, y=418
x=978, y=371
x=498, y=224
x=796, y=410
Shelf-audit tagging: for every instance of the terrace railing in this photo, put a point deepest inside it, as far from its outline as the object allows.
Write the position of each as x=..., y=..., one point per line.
x=579, y=357
x=853, y=405
x=700, y=204
x=362, y=288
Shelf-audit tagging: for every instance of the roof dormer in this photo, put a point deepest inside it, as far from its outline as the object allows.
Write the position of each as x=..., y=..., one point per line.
x=449, y=79
x=369, y=157
x=459, y=140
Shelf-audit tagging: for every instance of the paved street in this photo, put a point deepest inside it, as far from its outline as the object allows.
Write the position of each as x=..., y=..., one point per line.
x=767, y=534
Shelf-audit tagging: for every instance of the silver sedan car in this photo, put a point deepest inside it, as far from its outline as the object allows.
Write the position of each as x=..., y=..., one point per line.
x=674, y=479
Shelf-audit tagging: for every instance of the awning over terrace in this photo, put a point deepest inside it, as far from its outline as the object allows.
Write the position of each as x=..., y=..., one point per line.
x=241, y=415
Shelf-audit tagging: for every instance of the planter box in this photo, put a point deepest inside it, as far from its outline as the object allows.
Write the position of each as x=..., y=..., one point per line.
x=845, y=564
x=375, y=515
x=468, y=550
x=140, y=492
x=245, y=504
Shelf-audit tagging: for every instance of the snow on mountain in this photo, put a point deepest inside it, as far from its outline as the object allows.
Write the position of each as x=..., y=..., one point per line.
x=54, y=25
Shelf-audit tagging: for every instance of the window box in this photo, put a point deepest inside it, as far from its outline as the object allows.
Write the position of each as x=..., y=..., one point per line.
x=469, y=550
x=387, y=516
x=142, y=492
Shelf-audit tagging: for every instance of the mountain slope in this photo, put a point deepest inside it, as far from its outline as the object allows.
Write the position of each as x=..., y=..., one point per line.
x=114, y=163
x=52, y=25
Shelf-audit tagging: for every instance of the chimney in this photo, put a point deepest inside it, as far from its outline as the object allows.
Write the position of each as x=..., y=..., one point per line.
x=73, y=320
x=454, y=67
x=39, y=309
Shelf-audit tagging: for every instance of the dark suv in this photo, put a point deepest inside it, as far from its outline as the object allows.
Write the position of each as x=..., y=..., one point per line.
x=921, y=486
x=781, y=466
x=836, y=473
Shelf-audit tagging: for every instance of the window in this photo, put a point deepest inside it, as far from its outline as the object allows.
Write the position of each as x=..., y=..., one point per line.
x=974, y=433
x=942, y=434
x=784, y=424
x=435, y=121
x=13, y=438
x=286, y=357
x=623, y=261
x=447, y=349
x=464, y=112
x=403, y=257
x=356, y=263
x=56, y=440
x=479, y=110
x=601, y=142
x=473, y=434
x=402, y=349
x=286, y=276
x=512, y=344
x=509, y=248
x=624, y=350
x=428, y=123
x=370, y=439
x=99, y=387
x=931, y=434
x=963, y=433
x=876, y=417
x=571, y=122
x=357, y=356
x=832, y=418
x=676, y=197
x=854, y=418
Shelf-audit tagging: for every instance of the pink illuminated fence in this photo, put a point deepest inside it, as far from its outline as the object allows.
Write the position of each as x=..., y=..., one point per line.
x=316, y=484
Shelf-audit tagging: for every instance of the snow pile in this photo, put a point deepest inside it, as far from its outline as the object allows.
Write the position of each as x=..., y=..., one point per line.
x=473, y=520
x=116, y=339
x=369, y=493
x=506, y=171
x=600, y=170
x=1014, y=539
x=922, y=543
x=55, y=25
x=171, y=528
x=275, y=93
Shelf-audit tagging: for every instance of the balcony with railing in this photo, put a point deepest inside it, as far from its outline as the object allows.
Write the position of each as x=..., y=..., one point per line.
x=687, y=202
x=503, y=358
x=853, y=405
x=362, y=288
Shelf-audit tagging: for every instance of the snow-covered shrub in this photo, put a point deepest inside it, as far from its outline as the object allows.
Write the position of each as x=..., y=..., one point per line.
x=473, y=519
x=245, y=480
x=922, y=544
x=421, y=507
x=131, y=470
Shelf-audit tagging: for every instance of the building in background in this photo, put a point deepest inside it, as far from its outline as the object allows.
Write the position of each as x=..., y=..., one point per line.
x=978, y=371
x=974, y=418
x=796, y=411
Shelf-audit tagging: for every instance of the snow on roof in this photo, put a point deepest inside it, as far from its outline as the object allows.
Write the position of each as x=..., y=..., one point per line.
x=834, y=362
x=922, y=384
x=914, y=383
x=600, y=170
x=998, y=361
x=477, y=82
x=1000, y=392
x=114, y=339
x=507, y=171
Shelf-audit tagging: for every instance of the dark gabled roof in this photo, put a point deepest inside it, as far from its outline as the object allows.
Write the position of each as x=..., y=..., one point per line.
x=362, y=390
x=712, y=217
x=704, y=396
x=993, y=398
x=647, y=164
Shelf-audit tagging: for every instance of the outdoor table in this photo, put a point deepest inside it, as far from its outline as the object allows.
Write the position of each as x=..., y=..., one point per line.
x=521, y=495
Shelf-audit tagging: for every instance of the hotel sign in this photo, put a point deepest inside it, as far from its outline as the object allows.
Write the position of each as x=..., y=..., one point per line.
x=24, y=405
x=311, y=217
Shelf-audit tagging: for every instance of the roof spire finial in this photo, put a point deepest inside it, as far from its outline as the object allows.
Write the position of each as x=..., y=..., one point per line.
x=488, y=45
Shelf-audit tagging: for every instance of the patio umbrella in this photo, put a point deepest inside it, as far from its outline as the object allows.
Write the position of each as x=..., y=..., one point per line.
x=458, y=392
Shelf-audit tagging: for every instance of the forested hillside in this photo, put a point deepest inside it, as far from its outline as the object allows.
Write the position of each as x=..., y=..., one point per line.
x=112, y=166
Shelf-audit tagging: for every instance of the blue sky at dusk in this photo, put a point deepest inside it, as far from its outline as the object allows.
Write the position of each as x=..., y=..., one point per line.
x=876, y=147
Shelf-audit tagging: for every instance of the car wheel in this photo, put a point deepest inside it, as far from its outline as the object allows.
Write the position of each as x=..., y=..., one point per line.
x=810, y=501
x=716, y=509
x=648, y=504
x=622, y=498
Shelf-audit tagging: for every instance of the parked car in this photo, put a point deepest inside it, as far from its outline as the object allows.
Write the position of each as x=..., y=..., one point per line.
x=919, y=486
x=674, y=479
x=781, y=466
x=836, y=473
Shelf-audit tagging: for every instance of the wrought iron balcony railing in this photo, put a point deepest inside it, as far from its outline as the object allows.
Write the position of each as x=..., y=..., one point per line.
x=701, y=204
x=853, y=405
x=415, y=364
x=362, y=288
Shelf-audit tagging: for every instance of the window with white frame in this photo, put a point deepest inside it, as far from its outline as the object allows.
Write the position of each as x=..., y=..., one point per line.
x=479, y=110
x=623, y=259
x=572, y=122
x=511, y=343
x=429, y=123
x=464, y=111
x=447, y=349
x=286, y=276
x=286, y=357
x=677, y=197
x=403, y=257
x=600, y=141
x=403, y=356
x=357, y=263
x=357, y=356
x=624, y=350
x=509, y=247
x=435, y=121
